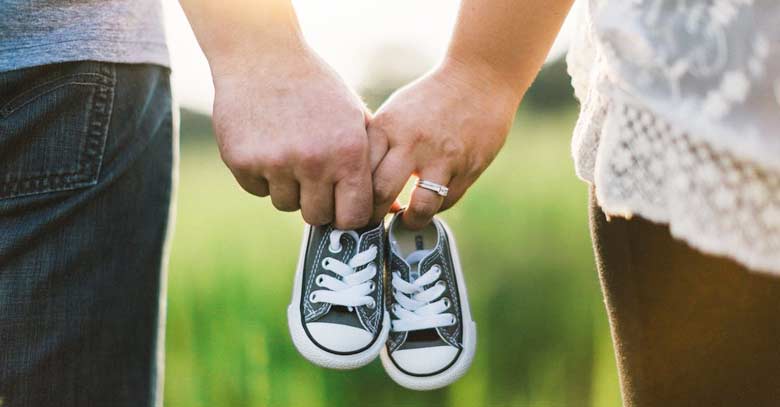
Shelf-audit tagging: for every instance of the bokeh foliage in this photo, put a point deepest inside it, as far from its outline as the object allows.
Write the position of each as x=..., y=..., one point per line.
x=523, y=237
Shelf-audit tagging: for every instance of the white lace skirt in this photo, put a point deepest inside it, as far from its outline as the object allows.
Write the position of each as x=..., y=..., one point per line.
x=717, y=203
x=644, y=160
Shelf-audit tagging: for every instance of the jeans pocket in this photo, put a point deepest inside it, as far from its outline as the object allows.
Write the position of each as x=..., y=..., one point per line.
x=53, y=126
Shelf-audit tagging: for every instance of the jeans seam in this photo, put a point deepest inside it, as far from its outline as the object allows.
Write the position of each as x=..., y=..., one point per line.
x=97, y=133
x=98, y=118
x=26, y=97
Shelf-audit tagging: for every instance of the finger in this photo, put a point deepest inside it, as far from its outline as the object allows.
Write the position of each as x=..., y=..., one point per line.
x=378, y=145
x=389, y=179
x=425, y=203
x=254, y=185
x=317, y=202
x=353, y=200
x=285, y=194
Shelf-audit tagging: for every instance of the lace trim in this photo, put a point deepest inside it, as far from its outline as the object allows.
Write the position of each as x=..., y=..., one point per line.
x=718, y=203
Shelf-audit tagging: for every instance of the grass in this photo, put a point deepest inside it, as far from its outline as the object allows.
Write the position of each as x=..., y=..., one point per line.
x=523, y=237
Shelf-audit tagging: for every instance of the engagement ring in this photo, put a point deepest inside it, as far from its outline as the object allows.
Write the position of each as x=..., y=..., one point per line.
x=432, y=186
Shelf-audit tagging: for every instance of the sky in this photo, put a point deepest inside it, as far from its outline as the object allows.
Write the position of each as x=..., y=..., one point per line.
x=346, y=33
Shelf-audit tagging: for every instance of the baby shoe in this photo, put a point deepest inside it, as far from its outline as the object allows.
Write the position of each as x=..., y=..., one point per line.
x=337, y=315
x=432, y=339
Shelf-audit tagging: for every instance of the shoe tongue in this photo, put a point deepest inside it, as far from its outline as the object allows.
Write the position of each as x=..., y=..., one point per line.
x=357, y=234
x=414, y=259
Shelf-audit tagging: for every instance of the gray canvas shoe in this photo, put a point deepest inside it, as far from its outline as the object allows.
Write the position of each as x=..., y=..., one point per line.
x=432, y=339
x=337, y=315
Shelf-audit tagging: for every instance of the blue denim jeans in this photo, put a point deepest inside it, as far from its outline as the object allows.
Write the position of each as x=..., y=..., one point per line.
x=86, y=160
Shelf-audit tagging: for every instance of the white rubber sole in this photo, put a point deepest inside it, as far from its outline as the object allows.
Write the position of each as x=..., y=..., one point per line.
x=309, y=349
x=466, y=356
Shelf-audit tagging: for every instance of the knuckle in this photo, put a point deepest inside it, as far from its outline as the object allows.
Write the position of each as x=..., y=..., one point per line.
x=240, y=160
x=346, y=173
x=312, y=160
x=451, y=148
x=352, y=148
x=417, y=136
x=382, y=194
x=274, y=161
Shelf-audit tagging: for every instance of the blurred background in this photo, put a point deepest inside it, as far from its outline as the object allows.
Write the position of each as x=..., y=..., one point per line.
x=543, y=337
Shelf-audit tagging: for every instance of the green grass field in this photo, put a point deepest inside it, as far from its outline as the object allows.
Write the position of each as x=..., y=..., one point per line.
x=523, y=238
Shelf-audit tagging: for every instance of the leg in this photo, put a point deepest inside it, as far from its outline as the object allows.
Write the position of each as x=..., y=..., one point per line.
x=86, y=159
x=688, y=328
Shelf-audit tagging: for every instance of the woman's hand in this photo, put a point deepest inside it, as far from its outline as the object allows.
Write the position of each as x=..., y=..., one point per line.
x=445, y=127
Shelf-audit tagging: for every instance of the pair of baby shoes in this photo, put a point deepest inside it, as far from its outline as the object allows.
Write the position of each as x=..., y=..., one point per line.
x=341, y=315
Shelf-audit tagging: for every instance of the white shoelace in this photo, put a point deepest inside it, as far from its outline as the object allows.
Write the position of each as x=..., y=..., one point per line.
x=352, y=289
x=415, y=307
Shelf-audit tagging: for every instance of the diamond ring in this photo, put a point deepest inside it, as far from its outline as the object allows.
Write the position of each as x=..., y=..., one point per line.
x=432, y=186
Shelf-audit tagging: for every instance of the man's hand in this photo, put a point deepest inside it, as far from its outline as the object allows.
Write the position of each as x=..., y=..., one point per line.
x=287, y=126
x=446, y=127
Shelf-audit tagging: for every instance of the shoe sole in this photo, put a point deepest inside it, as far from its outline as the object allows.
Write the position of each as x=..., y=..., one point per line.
x=462, y=364
x=306, y=347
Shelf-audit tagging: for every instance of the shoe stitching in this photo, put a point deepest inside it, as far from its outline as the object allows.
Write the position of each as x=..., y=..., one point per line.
x=444, y=262
x=313, y=311
x=397, y=338
x=372, y=318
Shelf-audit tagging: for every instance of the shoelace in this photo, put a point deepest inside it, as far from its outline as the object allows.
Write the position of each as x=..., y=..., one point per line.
x=414, y=305
x=353, y=287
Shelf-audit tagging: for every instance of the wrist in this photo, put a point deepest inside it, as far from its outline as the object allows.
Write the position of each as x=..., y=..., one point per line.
x=481, y=78
x=258, y=52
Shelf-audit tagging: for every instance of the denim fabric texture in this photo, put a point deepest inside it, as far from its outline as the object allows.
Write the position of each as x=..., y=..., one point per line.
x=86, y=161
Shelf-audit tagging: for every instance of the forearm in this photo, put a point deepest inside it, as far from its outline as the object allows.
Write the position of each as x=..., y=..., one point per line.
x=231, y=32
x=506, y=40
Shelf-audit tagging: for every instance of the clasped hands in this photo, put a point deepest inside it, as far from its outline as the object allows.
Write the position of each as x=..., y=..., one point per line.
x=289, y=127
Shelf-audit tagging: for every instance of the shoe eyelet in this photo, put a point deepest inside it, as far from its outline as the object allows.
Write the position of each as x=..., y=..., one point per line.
x=446, y=302
x=335, y=250
x=394, y=308
x=453, y=321
x=441, y=283
x=371, y=305
x=371, y=287
x=320, y=280
x=325, y=262
x=313, y=297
